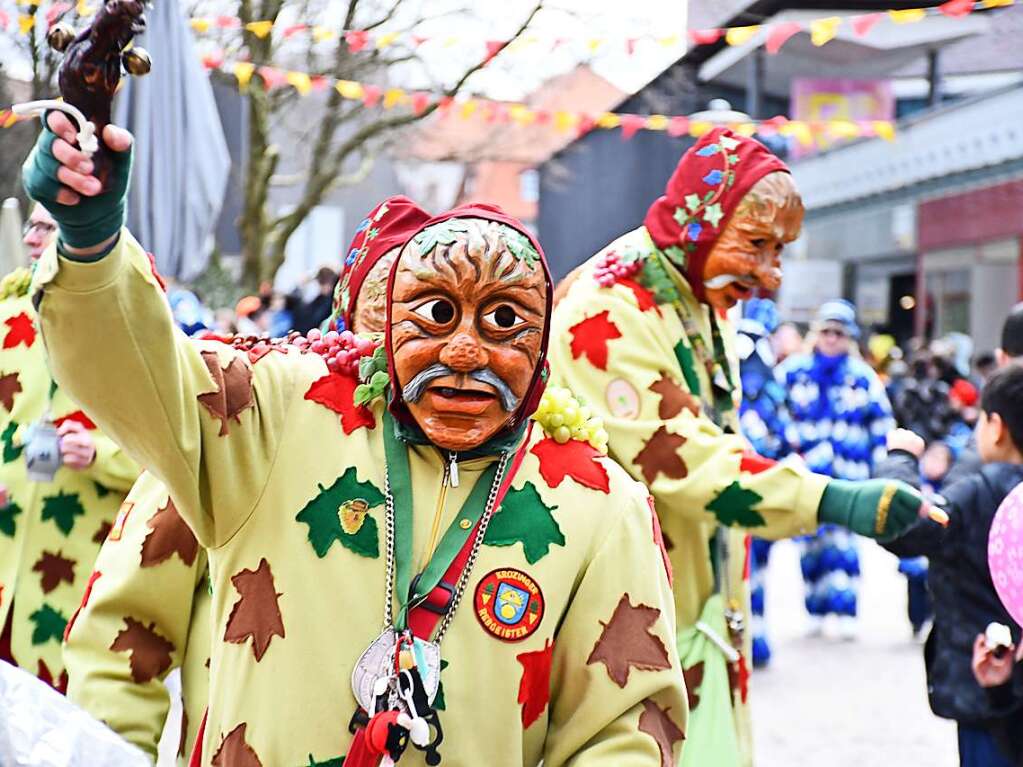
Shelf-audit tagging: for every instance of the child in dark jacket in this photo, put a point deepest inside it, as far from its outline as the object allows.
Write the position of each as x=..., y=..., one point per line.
x=965, y=601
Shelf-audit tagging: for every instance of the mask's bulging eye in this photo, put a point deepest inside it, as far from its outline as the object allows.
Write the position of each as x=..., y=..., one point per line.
x=439, y=310
x=503, y=317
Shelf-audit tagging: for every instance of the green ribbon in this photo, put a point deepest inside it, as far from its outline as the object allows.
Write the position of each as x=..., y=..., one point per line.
x=400, y=480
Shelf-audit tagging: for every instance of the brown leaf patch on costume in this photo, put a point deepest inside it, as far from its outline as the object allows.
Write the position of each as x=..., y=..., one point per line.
x=9, y=386
x=102, y=531
x=626, y=642
x=168, y=535
x=54, y=568
x=674, y=399
x=256, y=614
x=150, y=652
x=656, y=723
x=235, y=752
x=660, y=456
x=694, y=678
x=234, y=390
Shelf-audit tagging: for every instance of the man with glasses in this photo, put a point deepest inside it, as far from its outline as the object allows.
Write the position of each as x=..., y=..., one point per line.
x=38, y=232
x=61, y=483
x=841, y=418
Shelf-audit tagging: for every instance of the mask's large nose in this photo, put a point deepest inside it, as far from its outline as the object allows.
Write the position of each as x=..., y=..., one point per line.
x=463, y=354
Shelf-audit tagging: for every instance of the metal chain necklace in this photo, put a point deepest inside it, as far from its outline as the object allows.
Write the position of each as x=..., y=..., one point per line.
x=463, y=578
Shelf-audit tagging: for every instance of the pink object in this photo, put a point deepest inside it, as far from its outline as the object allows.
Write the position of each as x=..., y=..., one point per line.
x=1005, y=553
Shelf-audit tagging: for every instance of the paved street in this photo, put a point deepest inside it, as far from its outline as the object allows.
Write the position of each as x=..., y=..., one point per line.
x=856, y=704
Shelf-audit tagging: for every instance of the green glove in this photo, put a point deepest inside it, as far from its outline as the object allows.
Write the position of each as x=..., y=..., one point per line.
x=877, y=508
x=94, y=219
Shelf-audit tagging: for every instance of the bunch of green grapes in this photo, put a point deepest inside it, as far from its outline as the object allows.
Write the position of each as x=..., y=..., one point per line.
x=564, y=417
x=16, y=283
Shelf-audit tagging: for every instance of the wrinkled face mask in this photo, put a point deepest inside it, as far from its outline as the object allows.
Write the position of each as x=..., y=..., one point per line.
x=467, y=319
x=747, y=255
x=369, y=317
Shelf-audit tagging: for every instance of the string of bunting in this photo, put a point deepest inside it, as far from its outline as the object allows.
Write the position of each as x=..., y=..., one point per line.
x=821, y=30
x=565, y=121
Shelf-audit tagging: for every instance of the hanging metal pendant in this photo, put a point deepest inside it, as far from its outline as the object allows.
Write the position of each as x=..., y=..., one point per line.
x=377, y=663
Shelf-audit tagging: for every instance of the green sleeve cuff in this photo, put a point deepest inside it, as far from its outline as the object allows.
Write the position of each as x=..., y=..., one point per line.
x=808, y=503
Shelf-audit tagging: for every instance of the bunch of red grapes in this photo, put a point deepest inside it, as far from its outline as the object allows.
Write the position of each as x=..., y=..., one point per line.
x=342, y=351
x=610, y=268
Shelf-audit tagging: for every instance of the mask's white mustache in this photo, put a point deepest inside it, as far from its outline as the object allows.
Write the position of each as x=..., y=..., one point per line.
x=724, y=280
x=414, y=389
x=746, y=280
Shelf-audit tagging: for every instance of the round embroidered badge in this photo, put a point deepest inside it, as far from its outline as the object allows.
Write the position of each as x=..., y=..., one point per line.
x=622, y=399
x=508, y=604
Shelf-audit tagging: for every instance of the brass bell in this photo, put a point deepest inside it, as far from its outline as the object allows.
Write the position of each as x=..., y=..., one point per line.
x=60, y=36
x=136, y=61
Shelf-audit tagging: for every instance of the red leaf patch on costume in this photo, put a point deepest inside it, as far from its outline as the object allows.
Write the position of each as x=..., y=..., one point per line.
x=54, y=568
x=78, y=416
x=45, y=675
x=535, y=685
x=336, y=391
x=9, y=386
x=256, y=614
x=20, y=330
x=644, y=298
x=591, y=336
x=168, y=535
x=656, y=723
x=233, y=393
x=150, y=652
x=754, y=463
x=626, y=642
x=576, y=459
x=674, y=399
x=85, y=600
x=660, y=456
x=235, y=752
x=659, y=540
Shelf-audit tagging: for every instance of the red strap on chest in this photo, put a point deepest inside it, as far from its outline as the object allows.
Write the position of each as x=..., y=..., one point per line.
x=424, y=617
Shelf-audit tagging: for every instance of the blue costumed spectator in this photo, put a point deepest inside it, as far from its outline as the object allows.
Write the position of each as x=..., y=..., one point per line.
x=764, y=420
x=840, y=418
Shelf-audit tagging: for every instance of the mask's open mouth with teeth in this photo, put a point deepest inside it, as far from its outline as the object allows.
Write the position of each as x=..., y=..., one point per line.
x=459, y=401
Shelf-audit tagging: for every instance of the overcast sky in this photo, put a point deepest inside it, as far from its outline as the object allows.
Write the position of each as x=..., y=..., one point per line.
x=517, y=72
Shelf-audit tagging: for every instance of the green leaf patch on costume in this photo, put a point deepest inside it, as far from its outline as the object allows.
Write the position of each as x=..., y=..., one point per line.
x=7, y=515
x=438, y=702
x=734, y=506
x=524, y=518
x=11, y=451
x=341, y=513
x=337, y=761
x=49, y=625
x=687, y=363
x=62, y=508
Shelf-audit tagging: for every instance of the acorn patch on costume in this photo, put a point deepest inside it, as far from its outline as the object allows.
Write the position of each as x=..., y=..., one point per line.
x=509, y=604
x=341, y=513
x=622, y=399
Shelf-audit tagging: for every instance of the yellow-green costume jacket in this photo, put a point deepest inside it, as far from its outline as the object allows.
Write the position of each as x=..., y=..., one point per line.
x=626, y=351
x=150, y=576
x=282, y=478
x=50, y=532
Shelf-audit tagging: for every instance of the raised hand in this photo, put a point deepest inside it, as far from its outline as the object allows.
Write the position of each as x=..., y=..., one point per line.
x=62, y=178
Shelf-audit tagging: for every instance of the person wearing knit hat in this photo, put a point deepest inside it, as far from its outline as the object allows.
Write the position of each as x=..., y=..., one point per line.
x=432, y=563
x=155, y=573
x=841, y=417
x=643, y=334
